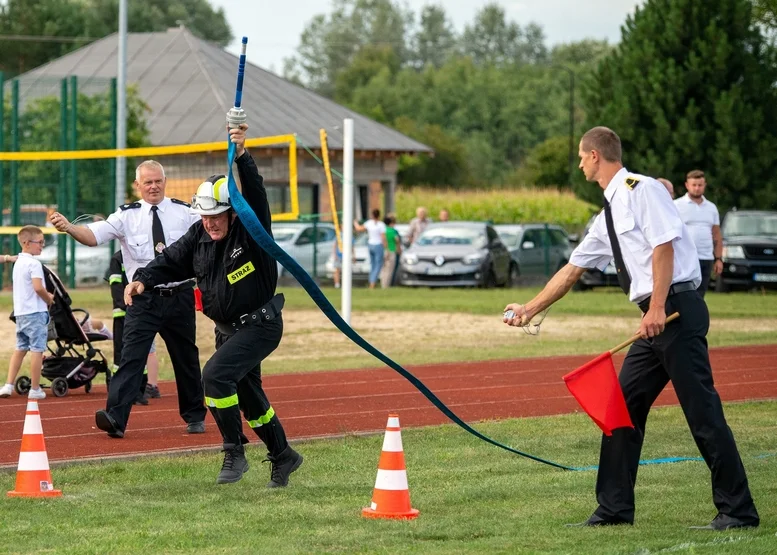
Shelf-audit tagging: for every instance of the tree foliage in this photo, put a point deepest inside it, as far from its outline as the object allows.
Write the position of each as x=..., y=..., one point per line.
x=40, y=124
x=692, y=86
x=329, y=44
x=493, y=39
x=488, y=96
x=89, y=20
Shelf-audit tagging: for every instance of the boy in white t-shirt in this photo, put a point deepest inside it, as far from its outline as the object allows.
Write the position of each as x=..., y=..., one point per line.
x=31, y=308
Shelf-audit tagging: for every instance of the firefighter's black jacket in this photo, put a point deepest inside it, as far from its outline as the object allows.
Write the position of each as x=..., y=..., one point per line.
x=234, y=274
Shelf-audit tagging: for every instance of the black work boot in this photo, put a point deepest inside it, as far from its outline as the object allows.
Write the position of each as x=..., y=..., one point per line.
x=235, y=464
x=283, y=465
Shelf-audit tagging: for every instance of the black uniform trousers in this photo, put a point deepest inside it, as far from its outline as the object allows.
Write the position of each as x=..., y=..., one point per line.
x=678, y=354
x=118, y=345
x=173, y=318
x=235, y=370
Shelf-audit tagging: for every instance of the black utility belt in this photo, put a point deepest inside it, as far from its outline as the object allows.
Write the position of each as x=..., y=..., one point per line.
x=170, y=291
x=266, y=313
x=674, y=289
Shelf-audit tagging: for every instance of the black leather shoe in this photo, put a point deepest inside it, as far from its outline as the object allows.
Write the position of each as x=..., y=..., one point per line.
x=282, y=466
x=724, y=522
x=595, y=520
x=106, y=423
x=195, y=427
x=234, y=466
x=140, y=400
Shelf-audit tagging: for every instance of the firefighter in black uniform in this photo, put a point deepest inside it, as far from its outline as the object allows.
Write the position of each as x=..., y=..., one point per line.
x=237, y=280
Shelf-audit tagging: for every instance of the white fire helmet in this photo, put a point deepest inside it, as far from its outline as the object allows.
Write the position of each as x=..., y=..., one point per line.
x=212, y=197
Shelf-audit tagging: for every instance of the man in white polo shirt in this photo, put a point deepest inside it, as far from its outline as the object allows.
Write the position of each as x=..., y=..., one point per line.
x=703, y=221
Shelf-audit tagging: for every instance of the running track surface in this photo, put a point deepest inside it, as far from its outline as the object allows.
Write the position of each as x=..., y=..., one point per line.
x=321, y=404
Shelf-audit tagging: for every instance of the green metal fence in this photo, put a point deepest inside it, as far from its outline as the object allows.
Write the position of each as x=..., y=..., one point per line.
x=50, y=114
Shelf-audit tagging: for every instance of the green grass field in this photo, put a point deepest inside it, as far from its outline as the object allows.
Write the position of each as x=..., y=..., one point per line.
x=473, y=498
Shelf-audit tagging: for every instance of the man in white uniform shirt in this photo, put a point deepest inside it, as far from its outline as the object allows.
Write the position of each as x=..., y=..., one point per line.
x=656, y=262
x=144, y=229
x=702, y=218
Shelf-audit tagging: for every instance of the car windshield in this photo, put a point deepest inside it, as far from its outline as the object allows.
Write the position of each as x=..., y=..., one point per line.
x=453, y=236
x=509, y=239
x=281, y=234
x=738, y=225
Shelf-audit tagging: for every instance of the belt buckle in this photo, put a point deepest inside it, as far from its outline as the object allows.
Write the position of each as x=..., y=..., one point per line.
x=243, y=319
x=165, y=292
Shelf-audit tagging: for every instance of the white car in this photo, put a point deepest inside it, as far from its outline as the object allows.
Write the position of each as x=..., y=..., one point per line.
x=91, y=262
x=360, y=267
x=298, y=239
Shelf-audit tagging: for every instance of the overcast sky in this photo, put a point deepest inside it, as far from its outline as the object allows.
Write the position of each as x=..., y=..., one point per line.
x=273, y=27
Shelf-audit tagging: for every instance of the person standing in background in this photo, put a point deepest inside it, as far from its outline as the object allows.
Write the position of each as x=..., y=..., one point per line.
x=393, y=250
x=703, y=221
x=417, y=225
x=668, y=184
x=376, y=243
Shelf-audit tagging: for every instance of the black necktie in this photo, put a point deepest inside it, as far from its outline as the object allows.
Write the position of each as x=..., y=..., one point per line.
x=157, y=233
x=623, y=276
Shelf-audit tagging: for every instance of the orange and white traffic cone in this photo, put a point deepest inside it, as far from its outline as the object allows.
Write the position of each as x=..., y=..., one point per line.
x=391, y=497
x=33, y=477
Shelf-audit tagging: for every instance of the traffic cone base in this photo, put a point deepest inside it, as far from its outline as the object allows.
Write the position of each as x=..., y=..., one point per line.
x=33, y=476
x=391, y=496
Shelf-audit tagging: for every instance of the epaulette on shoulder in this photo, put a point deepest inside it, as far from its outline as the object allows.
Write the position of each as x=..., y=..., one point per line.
x=130, y=206
x=631, y=182
x=182, y=203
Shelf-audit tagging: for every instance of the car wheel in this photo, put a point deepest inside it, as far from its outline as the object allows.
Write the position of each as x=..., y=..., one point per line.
x=513, y=273
x=489, y=282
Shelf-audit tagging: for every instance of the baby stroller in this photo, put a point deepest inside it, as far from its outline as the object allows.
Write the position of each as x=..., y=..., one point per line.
x=73, y=362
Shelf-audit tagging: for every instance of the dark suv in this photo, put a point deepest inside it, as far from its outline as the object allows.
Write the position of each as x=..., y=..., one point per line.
x=749, y=250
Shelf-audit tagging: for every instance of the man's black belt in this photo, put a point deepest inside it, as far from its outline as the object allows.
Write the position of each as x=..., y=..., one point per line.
x=170, y=291
x=265, y=313
x=674, y=289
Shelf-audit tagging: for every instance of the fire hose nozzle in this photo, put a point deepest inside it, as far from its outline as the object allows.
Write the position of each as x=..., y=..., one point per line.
x=235, y=117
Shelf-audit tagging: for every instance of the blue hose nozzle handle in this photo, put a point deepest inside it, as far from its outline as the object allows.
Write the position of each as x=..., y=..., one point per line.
x=241, y=69
x=237, y=115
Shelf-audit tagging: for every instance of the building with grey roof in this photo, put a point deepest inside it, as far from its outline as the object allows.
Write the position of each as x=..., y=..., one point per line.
x=189, y=83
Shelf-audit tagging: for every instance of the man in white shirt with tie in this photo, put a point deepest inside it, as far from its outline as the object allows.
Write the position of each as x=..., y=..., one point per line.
x=703, y=221
x=144, y=229
x=641, y=230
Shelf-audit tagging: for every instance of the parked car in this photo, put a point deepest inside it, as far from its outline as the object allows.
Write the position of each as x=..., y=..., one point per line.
x=595, y=277
x=360, y=265
x=91, y=262
x=298, y=239
x=404, y=234
x=451, y=254
x=535, y=249
x=749, y=250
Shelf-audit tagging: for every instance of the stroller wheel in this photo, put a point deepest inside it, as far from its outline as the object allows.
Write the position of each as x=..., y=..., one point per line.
x=23, y=385
x=88, y=386
x=59, y=387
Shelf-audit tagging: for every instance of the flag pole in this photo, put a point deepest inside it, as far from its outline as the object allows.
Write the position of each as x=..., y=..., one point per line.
x=628, y=342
